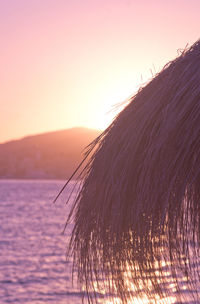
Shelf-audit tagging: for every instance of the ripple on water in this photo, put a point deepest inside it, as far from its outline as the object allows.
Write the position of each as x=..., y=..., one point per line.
x=33, y=267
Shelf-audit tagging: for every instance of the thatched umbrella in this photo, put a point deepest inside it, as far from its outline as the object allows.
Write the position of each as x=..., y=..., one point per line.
x=138, y=211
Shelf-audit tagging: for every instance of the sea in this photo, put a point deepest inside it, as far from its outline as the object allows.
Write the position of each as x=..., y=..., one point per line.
x=33, y=264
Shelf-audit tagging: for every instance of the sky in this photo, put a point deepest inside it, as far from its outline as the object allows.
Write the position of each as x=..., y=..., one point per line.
x=67, y=63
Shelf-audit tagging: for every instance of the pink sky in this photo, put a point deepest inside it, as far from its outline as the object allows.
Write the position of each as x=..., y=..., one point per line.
x=65, y=63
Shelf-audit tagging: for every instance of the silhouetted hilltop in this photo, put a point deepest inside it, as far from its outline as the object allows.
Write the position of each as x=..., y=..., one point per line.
x=48, y=155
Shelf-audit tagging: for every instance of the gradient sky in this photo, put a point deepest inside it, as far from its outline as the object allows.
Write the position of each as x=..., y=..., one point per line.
x=65, y=63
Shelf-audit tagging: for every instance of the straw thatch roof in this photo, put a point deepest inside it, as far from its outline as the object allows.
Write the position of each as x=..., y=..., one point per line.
x=139, y=206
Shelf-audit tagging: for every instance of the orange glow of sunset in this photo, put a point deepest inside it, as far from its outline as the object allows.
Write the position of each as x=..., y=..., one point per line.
x=67, y=63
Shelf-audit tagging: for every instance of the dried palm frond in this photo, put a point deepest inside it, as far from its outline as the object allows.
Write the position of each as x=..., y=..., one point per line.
x=138, y=212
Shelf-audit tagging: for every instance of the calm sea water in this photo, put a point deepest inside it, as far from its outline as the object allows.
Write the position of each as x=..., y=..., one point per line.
x=33, y=267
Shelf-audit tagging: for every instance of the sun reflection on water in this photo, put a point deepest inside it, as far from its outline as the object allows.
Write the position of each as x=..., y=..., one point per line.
x=142, y=300
x=170, y=290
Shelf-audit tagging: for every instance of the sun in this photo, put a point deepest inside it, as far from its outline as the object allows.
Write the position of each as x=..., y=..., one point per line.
x=110, y=105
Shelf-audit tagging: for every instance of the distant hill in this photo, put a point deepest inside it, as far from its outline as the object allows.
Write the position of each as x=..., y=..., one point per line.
x=53, y=155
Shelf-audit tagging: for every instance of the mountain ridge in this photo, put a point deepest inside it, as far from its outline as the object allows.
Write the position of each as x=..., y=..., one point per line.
x=49, y=133
x=50, y=155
